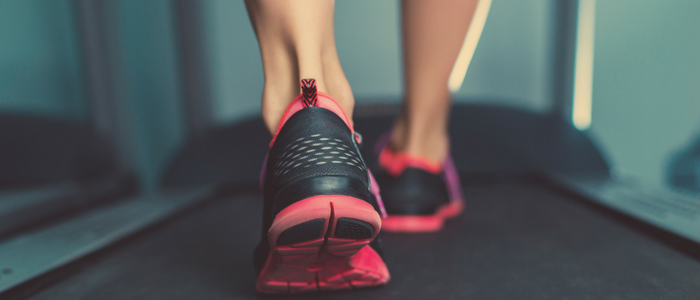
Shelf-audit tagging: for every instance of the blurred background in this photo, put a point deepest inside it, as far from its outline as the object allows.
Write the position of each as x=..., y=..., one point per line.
x=117, y=115
x=147, y=76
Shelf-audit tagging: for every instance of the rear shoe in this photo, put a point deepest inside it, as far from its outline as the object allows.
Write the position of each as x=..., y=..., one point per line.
x=419, y=195
x=321, y=209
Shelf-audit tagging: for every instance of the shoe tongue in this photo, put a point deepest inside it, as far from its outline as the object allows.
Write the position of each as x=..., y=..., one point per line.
x=311, y=97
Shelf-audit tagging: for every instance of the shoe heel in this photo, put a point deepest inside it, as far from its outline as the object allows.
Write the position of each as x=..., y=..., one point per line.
x=321, y=243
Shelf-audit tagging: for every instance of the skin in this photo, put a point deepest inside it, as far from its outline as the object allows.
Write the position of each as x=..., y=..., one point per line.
x=297, y=40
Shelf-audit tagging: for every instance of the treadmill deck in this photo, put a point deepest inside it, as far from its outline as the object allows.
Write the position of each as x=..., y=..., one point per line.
x=514, y=241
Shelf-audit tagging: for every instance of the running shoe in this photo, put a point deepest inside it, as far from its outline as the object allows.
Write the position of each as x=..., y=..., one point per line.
x=418, y=194
x=322, y=207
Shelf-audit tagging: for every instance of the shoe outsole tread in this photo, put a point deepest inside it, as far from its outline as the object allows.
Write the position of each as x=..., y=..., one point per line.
x=328, y=261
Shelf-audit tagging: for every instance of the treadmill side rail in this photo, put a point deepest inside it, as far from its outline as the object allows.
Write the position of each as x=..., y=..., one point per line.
x=27, y=256
x=24, y=208
x=21, y=207
x=673, y=211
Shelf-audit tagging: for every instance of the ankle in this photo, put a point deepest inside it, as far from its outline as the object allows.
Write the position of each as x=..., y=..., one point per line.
x=434, y=148
x=339, y=89
x=430, y=143
x=275, y=99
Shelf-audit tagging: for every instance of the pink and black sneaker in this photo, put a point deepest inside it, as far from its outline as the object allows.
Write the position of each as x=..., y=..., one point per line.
x=418, y=194
x=322, y=208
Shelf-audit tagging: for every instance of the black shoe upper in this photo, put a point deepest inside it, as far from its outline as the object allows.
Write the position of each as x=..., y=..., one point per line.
x=413, y=192
x=314, y=153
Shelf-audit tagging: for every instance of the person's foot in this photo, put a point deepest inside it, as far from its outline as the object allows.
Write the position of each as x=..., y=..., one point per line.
x=418, y=194
x=321, y=209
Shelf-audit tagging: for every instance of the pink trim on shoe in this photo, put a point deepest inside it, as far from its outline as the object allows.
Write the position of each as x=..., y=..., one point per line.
x=374, y=189
x=429, y=223
x=395, y=165
x=262, y=174
x=328, y=262
x=451, y=177
x=324, y=101
x=396, y=162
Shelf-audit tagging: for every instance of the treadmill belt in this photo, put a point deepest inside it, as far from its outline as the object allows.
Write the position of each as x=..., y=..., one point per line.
x=514, y=241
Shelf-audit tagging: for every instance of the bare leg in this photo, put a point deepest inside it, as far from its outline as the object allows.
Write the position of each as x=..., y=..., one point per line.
x=297, y=41
x=433, y=33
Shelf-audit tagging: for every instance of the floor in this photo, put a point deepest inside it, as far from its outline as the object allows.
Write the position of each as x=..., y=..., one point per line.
x=514, y=241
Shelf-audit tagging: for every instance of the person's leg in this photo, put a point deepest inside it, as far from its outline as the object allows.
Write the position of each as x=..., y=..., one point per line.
x=297, y=41
x=419, y=183
x=433, y=33
x=320, y=209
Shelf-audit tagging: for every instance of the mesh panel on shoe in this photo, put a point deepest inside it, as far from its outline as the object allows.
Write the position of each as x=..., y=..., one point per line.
x=313, y=142
x=316, y=150
x=414, y=192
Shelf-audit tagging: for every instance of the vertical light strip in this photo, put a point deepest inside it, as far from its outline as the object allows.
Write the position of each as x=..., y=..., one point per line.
x=583, y=68
x=470, y=41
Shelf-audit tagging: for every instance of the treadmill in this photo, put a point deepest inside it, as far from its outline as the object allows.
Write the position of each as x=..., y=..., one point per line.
x=544, y=219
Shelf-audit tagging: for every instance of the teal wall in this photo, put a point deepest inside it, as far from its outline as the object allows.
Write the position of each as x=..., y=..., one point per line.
x=234, y=61
x=646, y=73
x=645, y=102
x=646, y=84
x=510, y=64
x=40, y=70
x=150, y=88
